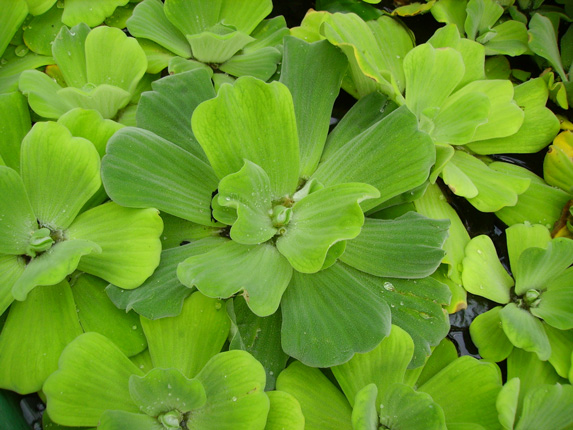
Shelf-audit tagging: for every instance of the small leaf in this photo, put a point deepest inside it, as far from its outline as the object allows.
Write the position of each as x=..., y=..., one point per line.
x=507, y=402
x=118, y=420
x=320, y=220
x=488, y=335
x=70, y=55
x=555, y=307
x=217, y=44
x=525, y=331
x=285, y=412
x=521, y=237
x=92, y=14
x=259, y=270
x=14, y=13
x=543, y=42
x=14, y=123
x=11, y=268
x=42, y=29
x=364, y=412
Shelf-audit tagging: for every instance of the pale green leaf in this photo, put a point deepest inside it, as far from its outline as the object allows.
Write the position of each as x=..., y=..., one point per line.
x=407, y=247
x=523, y=236
x=34, y=335
x=129, y=239
x=483, y=273
x=42, y=94
x=525, y=331
x=143, y=170
x=255, y=121
x=450, y=12
x=248, y=191
x=260, y=271
x=38, y=7
x=328, y=411
x=530, y=370
x=234, y=383
x=507, y=402
x=543, y=42
x=320, y=220
x=83, y=388
x=285, y=412
x=261, y=63
x=15, y=65
x=11, y=268
x=52, y=266
x=14, y=124
x=561, y=349
x=193, y=16
x=188, y=341
x=330, y=315
x=510, y=38
x=13, y=14
x=97, y=313
x=441, y=356
x=313, y=73
x=217, y=44
x=364, y=411
x=41, y=31
x=69, y=53
x=76, y=11
x=244, y=15
x=556, y=306
x=106, y=99
x=148, y=21
x=171, y=387
x=120, y=420
x=17, y=219
x=481, y=16
x=547, y=407
x=487, y=334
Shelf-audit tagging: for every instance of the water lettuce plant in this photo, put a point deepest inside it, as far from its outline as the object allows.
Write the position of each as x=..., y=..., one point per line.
x=257, y=178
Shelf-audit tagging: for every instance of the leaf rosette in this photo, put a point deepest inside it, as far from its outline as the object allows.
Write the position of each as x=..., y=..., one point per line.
x=288, y=200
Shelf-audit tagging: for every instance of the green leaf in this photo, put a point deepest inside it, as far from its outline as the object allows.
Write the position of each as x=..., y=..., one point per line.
x=167, y=110
x=118, y=420
x=261, y=63
x=52, y=266
x=112, y=58
x=41, y=31
x=547, y=407
x=69, y=53
x=60, y=173
x=42, y=94
x=139, y=163
x=450, y=12
x=523, y=236
x=14, y=124
x=483, y=273
x=507, y=402
x=248, y=191
x=543, y=42
x=261, y=337
x=509, y=38
x=18, y=221
x=38, y=7
x=441, y=356
x=234, y=383
x=255, y=121
x=384, y=366
x=82, y=389
x=329, y=411
x=148, y=21
x=171, y=387
x=15, y=65
x=330, y=315
x=380, y=156
x=129, y=239
x=537, y=267
x=106, y=99
x=217, y=44
x=34, y=335
x=244, y=16
x=90, y=125
x=539, y=124
x=561, y=342
x=259, y=270
x=364, y=412
x=481, y=16
x=320, y=220
x=556, y=307
x=525, y=331
x=162, y=295
x=488, y=335
x=92, y=14
x=13, y=14
x=97, y=313
x=403, y=408
x=466, y=390
x=11, y=268
x=192, y=17
x=285, y=412
x=188, y=341
x=407, y=247
x=313, y=73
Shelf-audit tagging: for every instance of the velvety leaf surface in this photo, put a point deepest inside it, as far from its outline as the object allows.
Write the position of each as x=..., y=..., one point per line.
x=255, y=121
x=547, y=407
x=60, y=173
x=384, y=366
x=92, y=14
x=525, y=331
x=142, y=169
x=34, y=335
x=483, y=273
x=259, y=270
x=188, y=340
x=313, y=73
x=285, y=412
x=52, y=266
x=167, y=110
x=488, y=335
x=466, y=390
x=171, y=387
x=329, y=411
x=14, y=124
x=162, y=295
x=320, y=220
x=17, y=219
x=93, y=376
x=261, y=337
x=249, y=192
x=234, y=383
x=381, y=156
x=407, y=247
x=330, y=315
x=129, y=239
x=69, y=53
x=97, y=313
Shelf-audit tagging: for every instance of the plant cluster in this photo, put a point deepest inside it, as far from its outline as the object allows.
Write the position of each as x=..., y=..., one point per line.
x=191, y=238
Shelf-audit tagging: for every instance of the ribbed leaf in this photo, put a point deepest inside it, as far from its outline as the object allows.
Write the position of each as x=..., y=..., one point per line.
x=525, y=331
x=70, y=55
x=14, y=124
x=285, y=412
x=488, y=335
x=92, y=14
